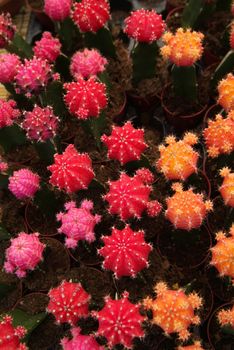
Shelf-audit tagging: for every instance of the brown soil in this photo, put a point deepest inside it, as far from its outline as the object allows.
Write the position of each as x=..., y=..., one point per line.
x=14, y=292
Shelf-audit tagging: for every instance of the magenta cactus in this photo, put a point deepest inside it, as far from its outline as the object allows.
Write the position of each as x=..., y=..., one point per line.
x=8, y=112
x=125, y=252
x=78, y=223
x=24, y=183
x=68, y=302
x=48, y=48
x=3, y=166
x=125, y=143
x=87, y=63
x=24, y=253
x=57, y=10
x=80, y=341
x=10, y=336
x=120, y=321
x=40, y=124
x=7, y=29
x=9, y=64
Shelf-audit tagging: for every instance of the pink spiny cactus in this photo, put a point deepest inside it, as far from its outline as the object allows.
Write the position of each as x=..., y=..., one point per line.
x=125, y=252
x=120, y=321
x=125, y=143
x=85, y=98
x=144, y=25
x=227, y=187
x=24, y=253
x=71, y=171
x=91, y=15
x=8, y=112
x=57, y=10
x=40, y=124
x=80, y=342
x=87, y=63
x=10, y=336
x=9, y=64
x=68, y=302
x=48, y=48
x=78, y=223
x=7, y=29
x=24, y=183
x=129, y=197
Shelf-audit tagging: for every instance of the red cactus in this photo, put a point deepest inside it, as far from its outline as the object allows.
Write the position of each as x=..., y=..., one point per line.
x=57, y=10
x=8, y=112
x=125, y=252
x=80, y=342
x=85, y=98
x=125, y=143
x=68, y=302
x=9, y=64
x=7, y=29
x=48, y=48
x=120, y=321
x=72, y=171
x=227, y=187
x=10, y=336
x=91, y=15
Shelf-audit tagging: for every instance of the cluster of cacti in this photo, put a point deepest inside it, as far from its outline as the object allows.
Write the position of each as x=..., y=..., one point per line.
x=10, y=336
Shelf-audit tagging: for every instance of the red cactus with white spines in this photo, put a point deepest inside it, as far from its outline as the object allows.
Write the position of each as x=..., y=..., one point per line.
x=40, y=124
x=186, y=210
x=125, y=252
x=129, y=197
x=120, y=321
x=7, y=29
x=227, y=187
x=24, y=183
x=57, y=10
x=8, y=112
x=9, y=64
x=125, y=143
x=80, y=342
x=144, y=25
x=10, y=336
x=91, y=15
x=48, y=48
x=78, y=223
x=68, y=302
x=24, y=253
x=173, y=310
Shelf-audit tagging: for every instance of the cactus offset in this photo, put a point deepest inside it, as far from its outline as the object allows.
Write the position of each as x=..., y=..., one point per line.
x=10, y=336
x=226, y=92
x=227, y=187
x=24, y=183
x=195, y=346
x=226, y=317
x=48, y=48
x=7, y=29
x=8, y=112
x=9, y=64
x=80, y=342
x=57, y=10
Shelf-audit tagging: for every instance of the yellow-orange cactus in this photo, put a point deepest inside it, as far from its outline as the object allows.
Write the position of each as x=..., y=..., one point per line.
x=185, y=209
x=226, y=92
x=219, y=135
x=227, y=188
x=173, y=310
x=226, y=317
x=183, y=48
x=178, y=160
x=196, y=346
x=223, y=253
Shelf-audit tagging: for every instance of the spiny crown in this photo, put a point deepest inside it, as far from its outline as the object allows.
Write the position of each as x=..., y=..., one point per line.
x=48, y=48
x=80, y=341
x=226, y=92
x=9, y=64
x=57, y=10
x=10, y=336
x=24, y=183
x=8, y=112
x=7, y=29
x=227, y=187
x=226, y=317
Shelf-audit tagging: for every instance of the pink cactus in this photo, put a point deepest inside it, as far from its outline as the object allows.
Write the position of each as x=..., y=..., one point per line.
x=80, y=342
x=7, y=29
x=8, y=112
x=57, y=10
x=129, y=197
x=9, y=64
x=24, y=183
x=48, y=48
x=87, y=63
x=24, y=253
x=125, y=252
x=68, y=302
x=91, y=15
x=85, y=98
x=120, y=321
x=40, y=124
x=72, y=171
x=125, y=143
x=10, y=336
x=144, y=25
x=78, y=223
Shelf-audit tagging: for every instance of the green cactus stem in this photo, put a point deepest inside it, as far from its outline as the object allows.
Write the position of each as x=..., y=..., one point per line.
x=185, y=82
x=95, y=126
x=196, y=11
x=20, y=47
x=46, y=151
x=226, y=66
x=11, y=136
x=101, y=40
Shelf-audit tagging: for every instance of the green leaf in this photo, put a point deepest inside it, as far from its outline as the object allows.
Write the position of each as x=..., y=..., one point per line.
x=226, y=66
x=20, y=47
x=101, y=40
x=69, y=35
x=191, y=13
x=11, y=136
x=4, y=234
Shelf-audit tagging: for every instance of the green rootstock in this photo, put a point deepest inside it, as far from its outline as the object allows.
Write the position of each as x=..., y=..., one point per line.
x=185, y=82
x=226, y=66
x=195, y=12
x=101, y=40
x=11, y=136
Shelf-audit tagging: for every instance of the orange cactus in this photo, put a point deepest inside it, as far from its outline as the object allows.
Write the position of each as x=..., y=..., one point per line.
x=196, y=346
x=178, y=160
x=219, y=135
x=226, y=317
x=227, y=188
x=226, y=92
x=183, y=48
x=223, y=254
x=173, y=310
x=185, y=209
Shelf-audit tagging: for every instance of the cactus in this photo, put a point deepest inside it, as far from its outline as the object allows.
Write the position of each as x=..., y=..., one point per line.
x=78, y=223
x=173, y=310
x=8, y=112
x=125, y=143
x=24, y=183
x=227, y=187
x=186, y=210
x=68, y=302
x=80, y=341
x=178, y=160
x=119, y=321
x=125, y=252
x=195, y=346
x=9, y=64
x=71, y=171
x=226, y=317
x=57, y=10
x=3, y=166
x=219, y=137
x=7, y=30
x=226, y=92
x=196, y=11
x=48, y=48
x=10, y=336
x=24, y=253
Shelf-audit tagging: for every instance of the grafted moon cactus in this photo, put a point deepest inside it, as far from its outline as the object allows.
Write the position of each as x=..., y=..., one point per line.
x=7, y=29
x=57, y=10
x=226, y=317
x=8, y=112
x=227, y=187
x=226, y=92
x=10, y=336
x=48, y=48
x=173, y=310
x=24, y=183
x=80, y=342
x=9, y=64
